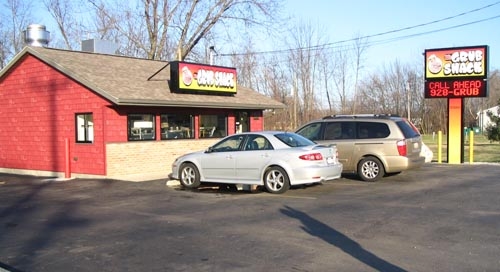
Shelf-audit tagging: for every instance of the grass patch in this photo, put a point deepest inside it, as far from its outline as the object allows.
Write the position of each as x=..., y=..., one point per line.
x=483, y=149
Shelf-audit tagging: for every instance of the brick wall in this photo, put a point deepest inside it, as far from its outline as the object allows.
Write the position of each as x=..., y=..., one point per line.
x=148, y=160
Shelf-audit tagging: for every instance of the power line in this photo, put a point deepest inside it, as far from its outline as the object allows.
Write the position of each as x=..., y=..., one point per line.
x=434, y=31
x=378, y=42
x=337, y=44
x=433, y=22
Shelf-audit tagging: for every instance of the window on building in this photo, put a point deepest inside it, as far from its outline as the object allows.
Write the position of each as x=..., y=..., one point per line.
x=141, y=127
x=212, y=126
x=84, y=128
x=176, y=126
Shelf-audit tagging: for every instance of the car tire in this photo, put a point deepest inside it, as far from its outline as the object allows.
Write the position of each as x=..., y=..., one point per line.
x=276, y=180
x=189, y=176
x=370, y=169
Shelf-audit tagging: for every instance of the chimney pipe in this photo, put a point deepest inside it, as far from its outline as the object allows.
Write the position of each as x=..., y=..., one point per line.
x=36, y=35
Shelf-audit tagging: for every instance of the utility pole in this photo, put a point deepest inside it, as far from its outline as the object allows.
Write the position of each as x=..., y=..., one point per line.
x=212, y=53
x=408, y=99
x=295, y=94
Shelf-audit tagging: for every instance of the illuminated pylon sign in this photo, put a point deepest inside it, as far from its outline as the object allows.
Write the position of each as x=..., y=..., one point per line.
x=455, y=73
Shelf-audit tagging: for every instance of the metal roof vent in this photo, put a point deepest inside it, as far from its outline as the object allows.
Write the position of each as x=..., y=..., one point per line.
x=100, y=46
x=36, y=35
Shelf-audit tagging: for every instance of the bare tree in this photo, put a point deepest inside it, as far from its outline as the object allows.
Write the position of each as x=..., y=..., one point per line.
x=375, y=93
x=360, y=46
x=16, y=16
x=4, y=46
x=341, y=77
x=326, y=74
x=247, y=64
x=348, y=63
x=164, y=28
x=494, y=88
x=305, y=70
x=64, y=14
x=104, y=25
x=268, y=75
x=275, y=79
x=128, y=26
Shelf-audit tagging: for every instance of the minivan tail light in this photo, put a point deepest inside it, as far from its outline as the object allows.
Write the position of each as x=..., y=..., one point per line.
x=312, y=157
x=401, y=147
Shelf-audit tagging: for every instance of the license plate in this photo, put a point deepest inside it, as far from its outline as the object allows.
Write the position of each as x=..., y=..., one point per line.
x=329, y=160
x=416, y=147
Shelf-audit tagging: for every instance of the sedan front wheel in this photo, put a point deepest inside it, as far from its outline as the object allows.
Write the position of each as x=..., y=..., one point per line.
x=276, y=180
x=189, y=176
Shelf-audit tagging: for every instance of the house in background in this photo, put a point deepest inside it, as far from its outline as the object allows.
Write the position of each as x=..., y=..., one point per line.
x=482, y=117
x=81, y=114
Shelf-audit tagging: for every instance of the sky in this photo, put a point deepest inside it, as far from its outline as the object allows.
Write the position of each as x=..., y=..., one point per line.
x=396, y=30
x=411, y=26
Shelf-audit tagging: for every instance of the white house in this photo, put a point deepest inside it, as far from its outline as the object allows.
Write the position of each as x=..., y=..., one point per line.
x=483, y=119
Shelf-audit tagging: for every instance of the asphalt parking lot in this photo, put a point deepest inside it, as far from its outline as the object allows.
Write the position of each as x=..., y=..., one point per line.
x=437, y=218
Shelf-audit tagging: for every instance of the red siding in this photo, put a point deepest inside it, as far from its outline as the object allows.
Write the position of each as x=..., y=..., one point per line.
x=115, y=126
x=256, y=121
x=37, y=114
x=231, y=123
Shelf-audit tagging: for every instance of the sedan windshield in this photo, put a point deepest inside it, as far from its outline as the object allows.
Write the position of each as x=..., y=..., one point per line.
x=293, y=140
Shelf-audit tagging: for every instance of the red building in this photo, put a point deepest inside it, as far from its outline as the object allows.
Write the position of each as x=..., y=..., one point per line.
x=80, y=114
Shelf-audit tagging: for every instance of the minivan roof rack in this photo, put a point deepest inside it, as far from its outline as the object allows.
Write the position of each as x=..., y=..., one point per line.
x=363, y=115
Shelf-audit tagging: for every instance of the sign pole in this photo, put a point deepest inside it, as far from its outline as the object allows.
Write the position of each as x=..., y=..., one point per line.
x=455, y=131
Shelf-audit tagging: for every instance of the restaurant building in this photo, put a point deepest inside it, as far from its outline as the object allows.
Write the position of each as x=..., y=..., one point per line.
x=82, y=114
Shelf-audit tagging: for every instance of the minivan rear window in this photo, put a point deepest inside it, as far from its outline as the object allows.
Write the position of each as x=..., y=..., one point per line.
x=407, y=129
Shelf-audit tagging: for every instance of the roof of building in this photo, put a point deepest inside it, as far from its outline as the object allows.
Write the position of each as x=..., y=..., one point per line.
x=136, y=82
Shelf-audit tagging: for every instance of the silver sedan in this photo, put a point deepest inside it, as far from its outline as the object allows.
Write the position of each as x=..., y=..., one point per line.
x=274, y=159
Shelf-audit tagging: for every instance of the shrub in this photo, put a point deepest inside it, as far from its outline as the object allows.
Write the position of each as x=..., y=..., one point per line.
x=493, y=129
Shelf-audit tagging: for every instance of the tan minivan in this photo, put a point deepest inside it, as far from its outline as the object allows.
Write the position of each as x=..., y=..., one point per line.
x=370, y=146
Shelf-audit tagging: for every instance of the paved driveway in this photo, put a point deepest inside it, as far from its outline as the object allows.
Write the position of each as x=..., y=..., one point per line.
x=437, y=218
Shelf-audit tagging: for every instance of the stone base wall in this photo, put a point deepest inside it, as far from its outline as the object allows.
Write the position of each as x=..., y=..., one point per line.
x=139, y=161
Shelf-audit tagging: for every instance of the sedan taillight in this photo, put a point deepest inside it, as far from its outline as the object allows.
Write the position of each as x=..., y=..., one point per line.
x=312, y=157
x=401, y=147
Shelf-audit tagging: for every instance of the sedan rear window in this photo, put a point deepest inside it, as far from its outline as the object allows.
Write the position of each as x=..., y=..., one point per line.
x=293, y=140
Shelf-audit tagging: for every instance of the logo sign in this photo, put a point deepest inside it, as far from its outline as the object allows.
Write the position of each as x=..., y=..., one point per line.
x=456, y=72
x=195, y=77
x=456, y=62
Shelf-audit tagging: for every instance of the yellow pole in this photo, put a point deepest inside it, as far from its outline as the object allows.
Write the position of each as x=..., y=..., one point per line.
x=440, y=145
x=471, y=146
